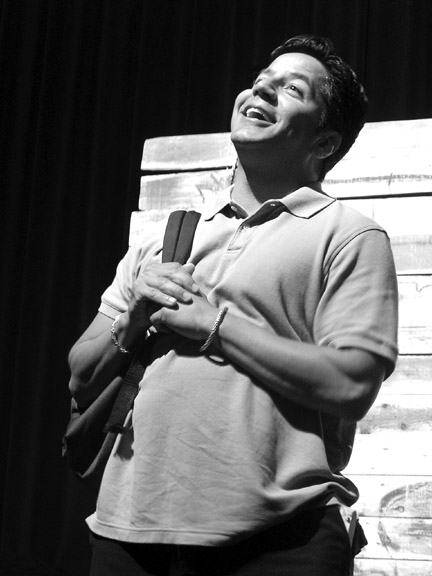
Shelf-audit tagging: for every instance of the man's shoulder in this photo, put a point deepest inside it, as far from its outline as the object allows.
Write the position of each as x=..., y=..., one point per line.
x=145, y=245
x=347, y=217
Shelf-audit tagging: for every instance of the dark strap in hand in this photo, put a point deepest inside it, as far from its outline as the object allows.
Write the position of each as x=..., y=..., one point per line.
x=177, y=246
x=179, y=233
x=126, y=396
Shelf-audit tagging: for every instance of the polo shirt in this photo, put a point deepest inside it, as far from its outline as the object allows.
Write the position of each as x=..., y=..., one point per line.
x=211, y=455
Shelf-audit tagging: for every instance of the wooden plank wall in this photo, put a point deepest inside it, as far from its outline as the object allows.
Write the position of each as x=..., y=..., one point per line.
x=388, y=176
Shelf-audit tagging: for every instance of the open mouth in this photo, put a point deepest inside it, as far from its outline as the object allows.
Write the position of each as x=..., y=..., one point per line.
x=257, y=114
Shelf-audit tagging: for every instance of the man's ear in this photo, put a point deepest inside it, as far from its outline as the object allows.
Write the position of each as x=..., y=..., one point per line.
x=327, y=143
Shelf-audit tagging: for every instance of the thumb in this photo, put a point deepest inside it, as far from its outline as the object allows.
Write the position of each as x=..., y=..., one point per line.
x=189, y=267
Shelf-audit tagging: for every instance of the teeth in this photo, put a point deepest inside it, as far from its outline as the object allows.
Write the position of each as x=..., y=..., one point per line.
x=256, y=113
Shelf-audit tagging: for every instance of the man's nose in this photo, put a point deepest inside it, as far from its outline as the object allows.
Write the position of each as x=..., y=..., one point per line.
x=265, y=89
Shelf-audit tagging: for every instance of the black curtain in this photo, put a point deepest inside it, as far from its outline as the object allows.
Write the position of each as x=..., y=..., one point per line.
x=83, y=84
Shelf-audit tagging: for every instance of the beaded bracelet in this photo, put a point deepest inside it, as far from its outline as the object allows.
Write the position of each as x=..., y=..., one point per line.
x=114, y=336
x=214, y=330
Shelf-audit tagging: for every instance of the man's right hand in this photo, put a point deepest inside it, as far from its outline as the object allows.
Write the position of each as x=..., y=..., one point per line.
x=159, y=285
x=94, y=360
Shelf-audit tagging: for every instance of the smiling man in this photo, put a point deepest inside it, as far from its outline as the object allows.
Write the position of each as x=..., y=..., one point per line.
x=272, y=341
x=280, y=119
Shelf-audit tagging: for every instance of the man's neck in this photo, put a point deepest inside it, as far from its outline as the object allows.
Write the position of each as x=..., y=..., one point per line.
x=253, y=188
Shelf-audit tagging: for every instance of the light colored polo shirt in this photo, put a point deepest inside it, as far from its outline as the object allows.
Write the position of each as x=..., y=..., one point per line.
x=212, y=455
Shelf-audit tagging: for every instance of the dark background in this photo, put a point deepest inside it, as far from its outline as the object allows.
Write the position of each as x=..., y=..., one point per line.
x=83, y=84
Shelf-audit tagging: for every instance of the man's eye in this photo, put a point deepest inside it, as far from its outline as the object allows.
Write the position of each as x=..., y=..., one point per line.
x=294, y=88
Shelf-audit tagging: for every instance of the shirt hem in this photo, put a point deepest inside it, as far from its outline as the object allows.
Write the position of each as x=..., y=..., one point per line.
x=178, y=537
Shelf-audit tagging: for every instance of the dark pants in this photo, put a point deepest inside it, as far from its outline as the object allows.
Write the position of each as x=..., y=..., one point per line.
x=314, y=543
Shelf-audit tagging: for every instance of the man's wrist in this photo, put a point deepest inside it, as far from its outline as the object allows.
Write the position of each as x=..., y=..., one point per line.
x=125, y=334
x=213, y=333
x=115, y=337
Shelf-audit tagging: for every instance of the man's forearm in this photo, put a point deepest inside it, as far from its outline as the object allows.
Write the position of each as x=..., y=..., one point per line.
x=95, y=360
x=341, y=382
x=93, y=365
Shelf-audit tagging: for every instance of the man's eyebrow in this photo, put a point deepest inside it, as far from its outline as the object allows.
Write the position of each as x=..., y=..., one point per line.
x=262, y=71
x=312, y=85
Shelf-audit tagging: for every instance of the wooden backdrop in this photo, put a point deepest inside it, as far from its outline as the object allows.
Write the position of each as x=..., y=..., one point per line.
x=388, y=176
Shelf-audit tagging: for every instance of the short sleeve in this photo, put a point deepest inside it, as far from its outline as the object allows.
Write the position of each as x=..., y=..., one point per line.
x=116, y=297
x=359, y=305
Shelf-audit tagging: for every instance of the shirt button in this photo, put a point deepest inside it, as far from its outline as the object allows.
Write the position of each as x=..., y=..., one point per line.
x=234, y=208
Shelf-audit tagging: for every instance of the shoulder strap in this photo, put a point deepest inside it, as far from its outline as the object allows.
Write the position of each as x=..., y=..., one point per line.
x=179, y=234
x=177, y=246
x=126, y=395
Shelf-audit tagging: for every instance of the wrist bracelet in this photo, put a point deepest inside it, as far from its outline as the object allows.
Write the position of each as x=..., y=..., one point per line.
x=114, y=336
x=214, y=330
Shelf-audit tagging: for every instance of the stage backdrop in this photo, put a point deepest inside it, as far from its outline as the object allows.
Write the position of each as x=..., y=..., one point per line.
x=83, y=83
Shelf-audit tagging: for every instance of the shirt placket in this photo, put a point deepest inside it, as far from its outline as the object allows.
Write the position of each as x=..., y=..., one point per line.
x=268, y=211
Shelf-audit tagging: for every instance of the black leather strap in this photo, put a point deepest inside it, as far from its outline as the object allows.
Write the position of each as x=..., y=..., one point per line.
x=177, y=246
x=179, y=234
x=126, y=396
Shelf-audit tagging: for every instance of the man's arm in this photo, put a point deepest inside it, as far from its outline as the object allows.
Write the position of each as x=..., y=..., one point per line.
x=94, y=360
x=343, y=382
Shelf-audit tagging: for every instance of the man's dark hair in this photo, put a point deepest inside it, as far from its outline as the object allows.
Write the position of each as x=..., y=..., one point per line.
x=345, y=101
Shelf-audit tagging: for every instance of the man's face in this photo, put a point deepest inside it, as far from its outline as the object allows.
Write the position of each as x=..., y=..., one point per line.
x=283, y=107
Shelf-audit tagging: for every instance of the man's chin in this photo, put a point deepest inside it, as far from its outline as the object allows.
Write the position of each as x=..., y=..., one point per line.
x=249, y=134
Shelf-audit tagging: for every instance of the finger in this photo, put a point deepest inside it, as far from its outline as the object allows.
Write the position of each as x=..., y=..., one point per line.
x=156, y=321
x=177, y=287
x=145, y=292
x=163, y=291
x=162, y=282
x=191, y=285
x=189, y=267
x=183, y=278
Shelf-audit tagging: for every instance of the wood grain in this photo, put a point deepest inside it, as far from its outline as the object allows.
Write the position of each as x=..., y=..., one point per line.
x=387, y=158
x=411, y=413
x=190, y=152
x=415, y=314
x=393, y=496
x=406, y=216
x=413, y=375
x=391, y=453
x=412, y=254
x=191, y=184
x=397, y=538
x=407, y=222
x=167, y=191
x=367, y=567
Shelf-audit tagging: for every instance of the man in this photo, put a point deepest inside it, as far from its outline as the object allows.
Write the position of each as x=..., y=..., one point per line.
x=231, y=463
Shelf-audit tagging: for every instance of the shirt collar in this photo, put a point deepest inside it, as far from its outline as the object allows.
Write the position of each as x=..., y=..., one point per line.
x=307, y=201
x=303, y=203
x=221, y=200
